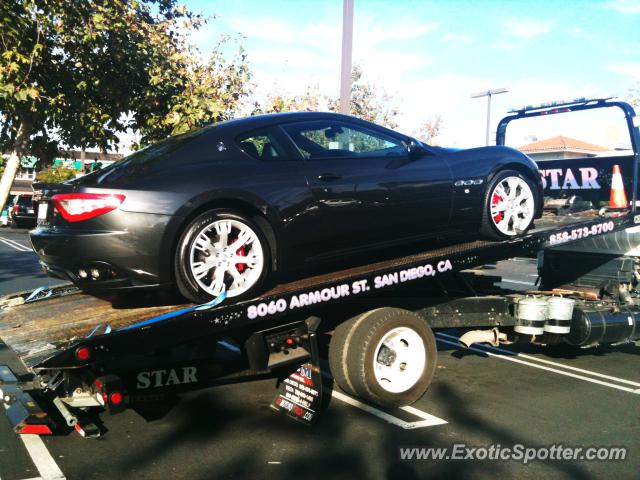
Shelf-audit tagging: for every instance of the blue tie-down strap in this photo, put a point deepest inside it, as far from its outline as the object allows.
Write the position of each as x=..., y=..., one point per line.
x=107, y=329
x=32, y=296
x=176, y=313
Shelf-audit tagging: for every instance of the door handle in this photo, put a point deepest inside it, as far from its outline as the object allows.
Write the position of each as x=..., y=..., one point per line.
x=328, y=177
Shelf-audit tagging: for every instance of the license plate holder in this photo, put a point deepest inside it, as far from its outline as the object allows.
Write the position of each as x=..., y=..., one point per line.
x=43, y=208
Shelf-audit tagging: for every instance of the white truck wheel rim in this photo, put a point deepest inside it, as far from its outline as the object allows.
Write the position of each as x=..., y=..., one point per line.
x=226, y=256
x=399, y=360
x=512, y=205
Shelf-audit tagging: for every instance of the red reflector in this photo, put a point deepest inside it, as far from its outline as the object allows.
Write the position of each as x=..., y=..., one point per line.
x=115, y=398
x=76, y=207
x=83, y=354
x=35, y=430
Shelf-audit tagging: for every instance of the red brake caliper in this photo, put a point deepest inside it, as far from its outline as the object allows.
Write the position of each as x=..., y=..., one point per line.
x=241, y=253
x=495, y=200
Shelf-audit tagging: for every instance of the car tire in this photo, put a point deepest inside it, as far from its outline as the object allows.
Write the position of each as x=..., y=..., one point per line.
x=357, y=364
x=193, y=255
x=495, y=224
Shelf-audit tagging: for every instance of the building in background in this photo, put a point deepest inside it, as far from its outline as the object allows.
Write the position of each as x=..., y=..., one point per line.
x=92, y=160
x=562, y=147
x=66, y=158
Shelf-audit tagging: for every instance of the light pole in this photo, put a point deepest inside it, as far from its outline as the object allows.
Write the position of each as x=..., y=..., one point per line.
x=347, y=42
x=489, y=94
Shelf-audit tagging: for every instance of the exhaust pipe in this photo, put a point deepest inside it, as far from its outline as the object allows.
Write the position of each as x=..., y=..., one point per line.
x=493, y=336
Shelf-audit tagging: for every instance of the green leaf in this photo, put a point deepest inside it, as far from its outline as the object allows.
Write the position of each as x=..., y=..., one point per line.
x=21, y=95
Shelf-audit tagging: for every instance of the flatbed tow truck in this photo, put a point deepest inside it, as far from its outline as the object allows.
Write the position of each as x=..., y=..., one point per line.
x=77, y=355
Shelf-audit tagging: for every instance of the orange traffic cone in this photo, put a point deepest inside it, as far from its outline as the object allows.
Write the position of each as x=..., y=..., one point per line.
x=618, y=197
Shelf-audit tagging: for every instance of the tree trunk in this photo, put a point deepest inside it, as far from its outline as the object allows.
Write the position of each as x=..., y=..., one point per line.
x=13, y=164
x=82, y=157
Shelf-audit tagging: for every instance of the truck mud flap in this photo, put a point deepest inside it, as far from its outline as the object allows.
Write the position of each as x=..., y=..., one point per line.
x=24, y=414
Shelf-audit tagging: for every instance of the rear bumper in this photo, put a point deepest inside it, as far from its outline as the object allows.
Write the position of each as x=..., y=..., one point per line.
x=125, y=258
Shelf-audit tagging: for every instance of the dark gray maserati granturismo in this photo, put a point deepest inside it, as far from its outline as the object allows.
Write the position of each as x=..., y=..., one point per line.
x=223, y=207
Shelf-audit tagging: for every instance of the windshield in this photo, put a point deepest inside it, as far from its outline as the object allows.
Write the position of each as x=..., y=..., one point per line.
x=24, y=201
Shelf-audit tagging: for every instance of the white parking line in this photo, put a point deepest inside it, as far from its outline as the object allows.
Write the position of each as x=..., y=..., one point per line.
x=548, y=362
x=42, y=459
x=15, y=245
x=428, y=419
x=511, y=358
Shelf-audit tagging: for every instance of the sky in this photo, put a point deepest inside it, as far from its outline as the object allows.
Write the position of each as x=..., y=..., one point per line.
x=430, y=56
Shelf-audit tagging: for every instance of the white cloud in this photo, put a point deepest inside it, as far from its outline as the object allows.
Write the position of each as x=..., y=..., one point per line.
x=271, y=29
x=296, y=55
x=464, y=118
x=528, y=27
x=581, y=33
x=376, y=33
x=506, y=46
x=623, y=6
x=457, y=38
x=629, y=69
x=291, y=56
x=324, y=36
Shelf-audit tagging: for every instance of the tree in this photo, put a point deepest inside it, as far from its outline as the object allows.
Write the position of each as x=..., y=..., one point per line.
x=634, y=95
x=71, y=71
x=55, y=174
x=310, y=101
x=201, y=94
x=368, y=102
x=429, y=130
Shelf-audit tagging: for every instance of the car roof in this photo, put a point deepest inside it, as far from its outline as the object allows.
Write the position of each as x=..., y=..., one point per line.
x=268, y=119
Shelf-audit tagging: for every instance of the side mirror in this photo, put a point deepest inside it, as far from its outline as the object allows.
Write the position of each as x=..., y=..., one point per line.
x=415, y=149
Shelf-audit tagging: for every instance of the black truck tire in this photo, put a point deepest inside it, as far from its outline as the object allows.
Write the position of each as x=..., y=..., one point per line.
x=386, y=357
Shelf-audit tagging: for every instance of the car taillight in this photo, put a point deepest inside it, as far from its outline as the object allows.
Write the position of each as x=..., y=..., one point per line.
x=16, y=209
x=76, y=207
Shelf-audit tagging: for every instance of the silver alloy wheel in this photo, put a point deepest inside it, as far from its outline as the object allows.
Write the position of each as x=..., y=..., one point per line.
x=226, y=256
x=399, y=360
x=512, y=205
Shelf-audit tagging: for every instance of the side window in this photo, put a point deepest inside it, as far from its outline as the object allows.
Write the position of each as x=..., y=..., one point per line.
x=261, y=145
x=328, y=139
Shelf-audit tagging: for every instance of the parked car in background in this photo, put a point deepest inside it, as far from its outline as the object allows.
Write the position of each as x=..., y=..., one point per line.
x=21, y=212
x=4, y=217
x=221, y=208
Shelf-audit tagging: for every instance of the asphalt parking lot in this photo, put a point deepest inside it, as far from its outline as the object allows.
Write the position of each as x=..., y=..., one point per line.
x=19, y=267
x=518, y=395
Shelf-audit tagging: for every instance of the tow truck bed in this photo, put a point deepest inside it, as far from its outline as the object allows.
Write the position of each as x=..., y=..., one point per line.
x=37, y=331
